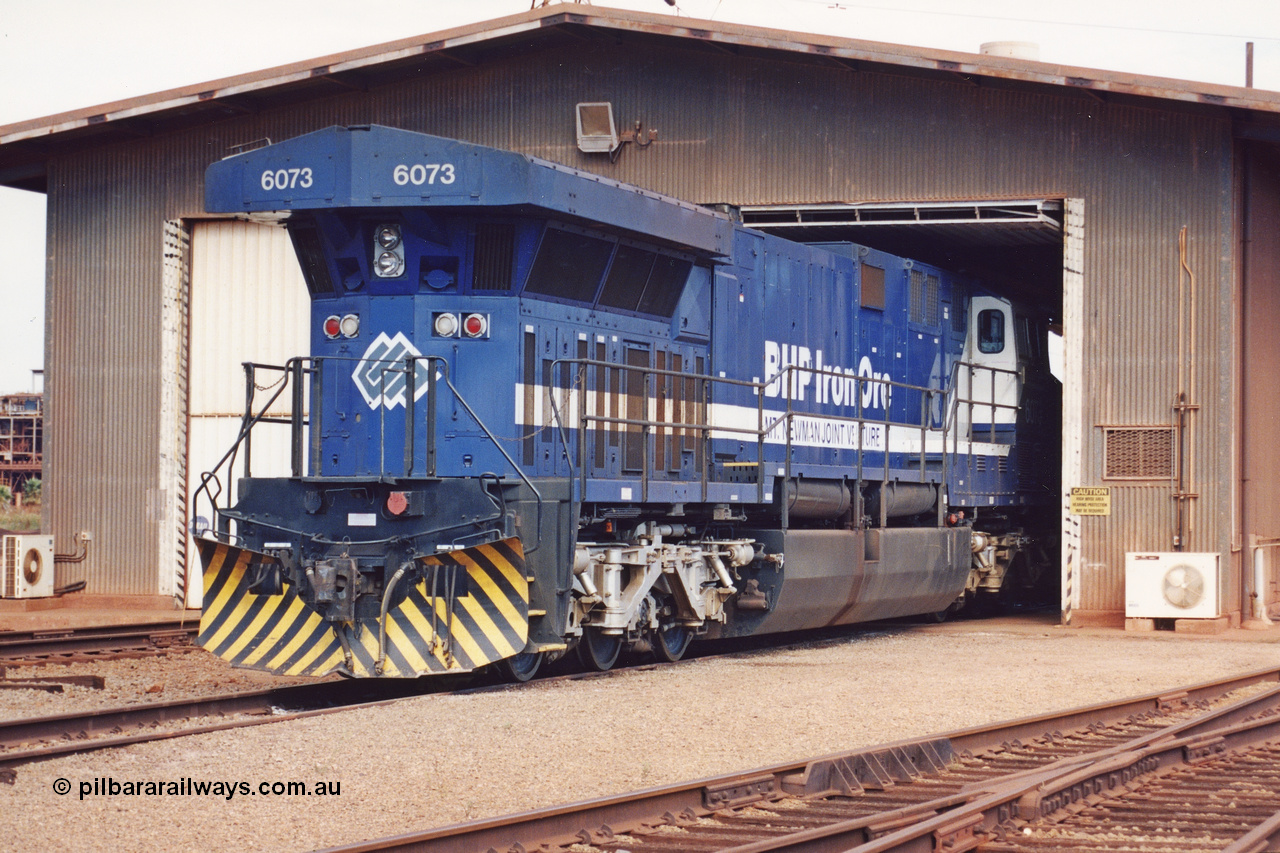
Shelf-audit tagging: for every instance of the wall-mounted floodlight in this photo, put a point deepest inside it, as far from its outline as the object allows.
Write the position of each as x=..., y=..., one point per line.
x=597, y=134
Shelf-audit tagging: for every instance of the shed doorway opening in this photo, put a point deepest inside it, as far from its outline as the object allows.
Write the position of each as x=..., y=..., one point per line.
x=1020, y=249
x=248, y=303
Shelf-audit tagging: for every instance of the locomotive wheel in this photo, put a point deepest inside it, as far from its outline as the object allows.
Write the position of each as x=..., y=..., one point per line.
x=598, y=651
x=520, y=668
x=672, y=642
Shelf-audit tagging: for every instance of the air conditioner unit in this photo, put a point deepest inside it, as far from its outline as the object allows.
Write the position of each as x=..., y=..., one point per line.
x=27, y=566
x=1171, y=585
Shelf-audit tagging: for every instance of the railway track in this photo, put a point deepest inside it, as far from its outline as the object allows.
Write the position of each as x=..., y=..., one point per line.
x=34, y=739
x=106, y=642
x=23, y=741
x=1191, y=770
x=1058, y=782
x=109, y=642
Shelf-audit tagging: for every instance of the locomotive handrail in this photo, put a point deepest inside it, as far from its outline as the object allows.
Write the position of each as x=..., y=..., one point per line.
x=408, y=367
x=290, y=370
x=761, y=432
x=972, y=402
x=790, y=414
x=953, y=410
x=457, y=395
x=644, y=423
x=973, y=367
x=787, y=379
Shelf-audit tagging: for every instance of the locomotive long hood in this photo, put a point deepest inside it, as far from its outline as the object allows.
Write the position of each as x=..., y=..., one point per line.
x=373, y=166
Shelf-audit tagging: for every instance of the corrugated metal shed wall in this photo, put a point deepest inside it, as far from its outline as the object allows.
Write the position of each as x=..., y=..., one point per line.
x=104, y=379
x=731, y=129
x=267, y=325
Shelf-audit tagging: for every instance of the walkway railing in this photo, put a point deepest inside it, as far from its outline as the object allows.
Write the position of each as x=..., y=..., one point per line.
x=939, y=436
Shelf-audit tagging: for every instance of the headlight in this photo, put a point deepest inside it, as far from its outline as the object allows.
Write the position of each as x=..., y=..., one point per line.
x=388, y=236
x=390, y=265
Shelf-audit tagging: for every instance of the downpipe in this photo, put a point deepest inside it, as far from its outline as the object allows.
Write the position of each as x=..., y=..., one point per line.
x=1259, y=584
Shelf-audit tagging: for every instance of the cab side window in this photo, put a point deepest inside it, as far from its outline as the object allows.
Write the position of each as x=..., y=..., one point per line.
x=991, y=331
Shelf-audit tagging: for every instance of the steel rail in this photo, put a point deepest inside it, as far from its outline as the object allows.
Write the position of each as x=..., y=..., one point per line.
x=78, y=729
x=950, y=820
x=1262, y=837
x=80, y=732
x=1041, y=795
x=51, y=643
x=100, y=729
x=86, y=725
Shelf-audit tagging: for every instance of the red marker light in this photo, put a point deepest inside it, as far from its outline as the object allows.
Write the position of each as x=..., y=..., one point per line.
x=332, y=326
x=475, y=325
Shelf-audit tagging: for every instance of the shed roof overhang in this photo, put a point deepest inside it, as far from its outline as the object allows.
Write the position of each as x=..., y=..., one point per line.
x=25, y=147
x=1012, y=244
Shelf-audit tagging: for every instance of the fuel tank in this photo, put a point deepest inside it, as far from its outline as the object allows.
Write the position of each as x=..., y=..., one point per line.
x=838, y=577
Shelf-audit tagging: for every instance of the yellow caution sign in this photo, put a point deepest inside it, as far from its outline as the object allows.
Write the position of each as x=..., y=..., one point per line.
x=1090, y=500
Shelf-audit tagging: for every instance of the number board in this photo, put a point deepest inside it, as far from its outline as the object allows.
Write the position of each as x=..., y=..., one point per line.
x=415, y=174
x=289, y=179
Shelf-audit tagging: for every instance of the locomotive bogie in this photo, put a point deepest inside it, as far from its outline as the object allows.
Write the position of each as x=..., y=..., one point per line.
x=648, y=584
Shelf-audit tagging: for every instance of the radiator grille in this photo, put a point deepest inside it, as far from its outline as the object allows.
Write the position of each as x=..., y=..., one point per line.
x=959, y=314
x=924, y=298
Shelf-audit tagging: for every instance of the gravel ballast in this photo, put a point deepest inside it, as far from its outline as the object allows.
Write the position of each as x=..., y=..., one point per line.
x=437, y=760
x=160, y=678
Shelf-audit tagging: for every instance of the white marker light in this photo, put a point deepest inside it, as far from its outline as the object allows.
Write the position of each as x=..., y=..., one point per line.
x=446, y=325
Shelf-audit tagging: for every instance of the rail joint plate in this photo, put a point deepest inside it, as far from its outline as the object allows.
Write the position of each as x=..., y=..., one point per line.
x=741, y=793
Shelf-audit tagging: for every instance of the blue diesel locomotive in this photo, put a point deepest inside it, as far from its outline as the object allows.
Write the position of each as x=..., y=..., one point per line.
x=547, y=412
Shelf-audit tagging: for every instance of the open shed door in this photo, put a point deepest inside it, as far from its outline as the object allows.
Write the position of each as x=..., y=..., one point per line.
x=249, y=303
